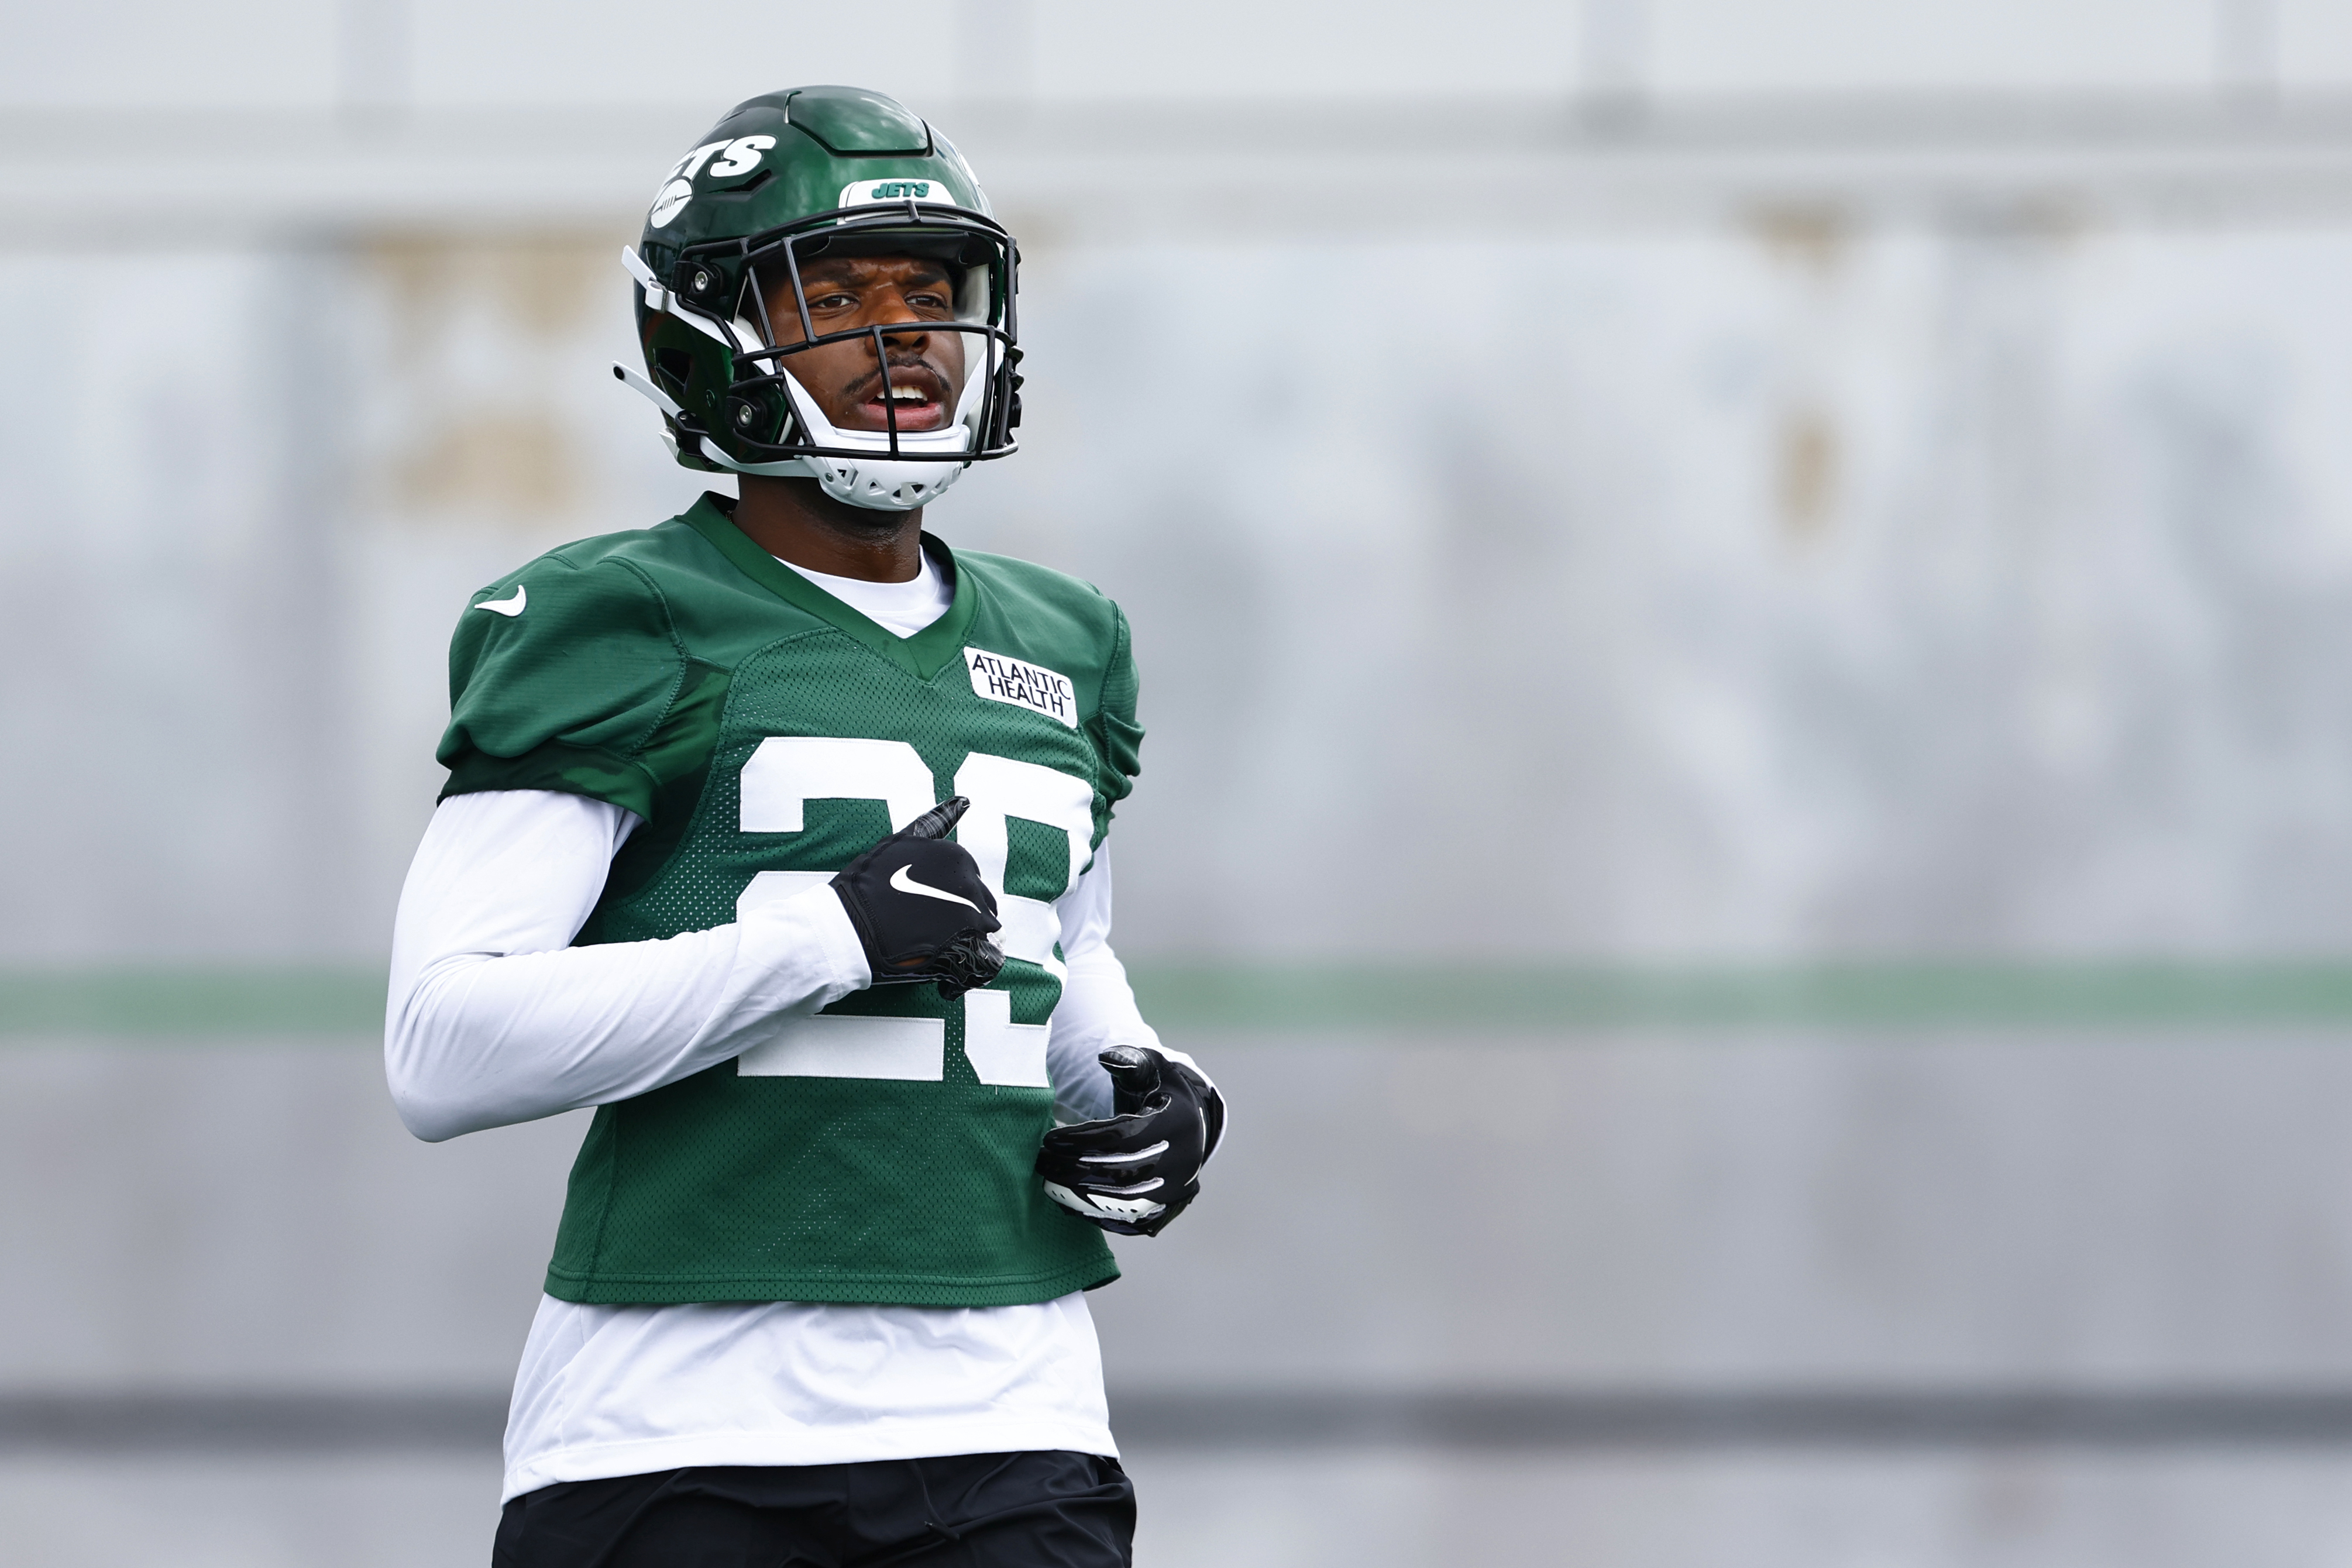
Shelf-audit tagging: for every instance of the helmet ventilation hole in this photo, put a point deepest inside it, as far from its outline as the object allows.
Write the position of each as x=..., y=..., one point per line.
x=673, y=368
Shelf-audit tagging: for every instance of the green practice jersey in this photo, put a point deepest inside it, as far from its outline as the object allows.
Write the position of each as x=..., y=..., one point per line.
x=880, y=1150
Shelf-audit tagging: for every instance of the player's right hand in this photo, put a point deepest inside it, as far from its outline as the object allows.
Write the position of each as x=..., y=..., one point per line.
x=920, y=907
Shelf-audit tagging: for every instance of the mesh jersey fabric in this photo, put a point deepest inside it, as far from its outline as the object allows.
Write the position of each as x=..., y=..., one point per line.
x=682, y=673
x=506, y=880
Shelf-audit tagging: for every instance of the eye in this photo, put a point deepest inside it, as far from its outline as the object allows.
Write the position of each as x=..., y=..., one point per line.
x=837, y=300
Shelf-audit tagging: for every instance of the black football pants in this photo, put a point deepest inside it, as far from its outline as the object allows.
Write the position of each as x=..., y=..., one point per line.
x=968, y=1511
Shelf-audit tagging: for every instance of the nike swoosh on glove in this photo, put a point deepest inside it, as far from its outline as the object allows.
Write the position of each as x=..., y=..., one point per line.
x=920, y=907
x=1138, y=1170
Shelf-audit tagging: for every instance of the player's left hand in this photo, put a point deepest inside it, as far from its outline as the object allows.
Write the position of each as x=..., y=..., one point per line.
x=1140, y=1168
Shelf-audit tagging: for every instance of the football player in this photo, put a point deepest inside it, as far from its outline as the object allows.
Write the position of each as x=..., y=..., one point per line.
x=775, y=832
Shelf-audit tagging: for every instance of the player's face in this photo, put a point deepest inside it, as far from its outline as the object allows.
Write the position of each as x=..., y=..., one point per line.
x=897, y=293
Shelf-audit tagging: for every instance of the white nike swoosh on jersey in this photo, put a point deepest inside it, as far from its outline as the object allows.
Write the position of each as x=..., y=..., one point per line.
x=504, y=606
x=905, y=884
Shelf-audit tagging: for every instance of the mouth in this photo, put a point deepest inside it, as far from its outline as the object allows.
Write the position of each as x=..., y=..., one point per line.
x=915, y=394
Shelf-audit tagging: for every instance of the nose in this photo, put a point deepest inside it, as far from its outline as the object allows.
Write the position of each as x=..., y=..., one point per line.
x=891, y=311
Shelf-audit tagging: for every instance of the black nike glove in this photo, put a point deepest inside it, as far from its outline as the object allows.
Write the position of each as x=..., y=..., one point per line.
x=1136, y=1172
x=920, y=907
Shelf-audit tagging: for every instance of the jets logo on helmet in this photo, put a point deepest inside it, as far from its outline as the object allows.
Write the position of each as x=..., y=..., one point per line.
x=862, y=191
x=781, y=181
x=740, y=156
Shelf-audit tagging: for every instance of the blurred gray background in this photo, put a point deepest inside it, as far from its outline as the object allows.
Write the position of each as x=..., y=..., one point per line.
x=1746, y=614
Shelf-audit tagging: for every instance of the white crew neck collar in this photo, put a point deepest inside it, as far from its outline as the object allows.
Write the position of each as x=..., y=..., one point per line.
x=901, y=608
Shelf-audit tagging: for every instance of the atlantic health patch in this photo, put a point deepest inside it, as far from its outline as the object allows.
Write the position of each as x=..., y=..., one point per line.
x=1001, y=678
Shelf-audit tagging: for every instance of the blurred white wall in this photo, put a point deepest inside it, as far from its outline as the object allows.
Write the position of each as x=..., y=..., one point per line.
x=431, y=54
x=1814, y=479
x=1659, y=479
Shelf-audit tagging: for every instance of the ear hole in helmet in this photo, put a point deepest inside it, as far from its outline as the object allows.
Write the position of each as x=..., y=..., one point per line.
x=672, y=368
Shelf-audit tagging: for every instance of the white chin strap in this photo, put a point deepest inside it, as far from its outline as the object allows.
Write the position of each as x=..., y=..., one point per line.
x=880, y=482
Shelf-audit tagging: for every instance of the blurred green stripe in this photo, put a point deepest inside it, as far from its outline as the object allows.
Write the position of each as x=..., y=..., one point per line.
x=1303, y=997
x=1831, y=996
x=192, y=1002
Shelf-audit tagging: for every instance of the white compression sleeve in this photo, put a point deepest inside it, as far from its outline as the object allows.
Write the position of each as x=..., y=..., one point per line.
x=492, y=1019
x=1097, y=1007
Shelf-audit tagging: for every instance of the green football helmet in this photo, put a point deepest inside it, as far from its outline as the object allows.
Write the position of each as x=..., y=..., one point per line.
x=782, y=180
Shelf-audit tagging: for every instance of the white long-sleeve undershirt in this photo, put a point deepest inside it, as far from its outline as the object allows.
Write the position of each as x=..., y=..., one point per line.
x=492, y=1019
